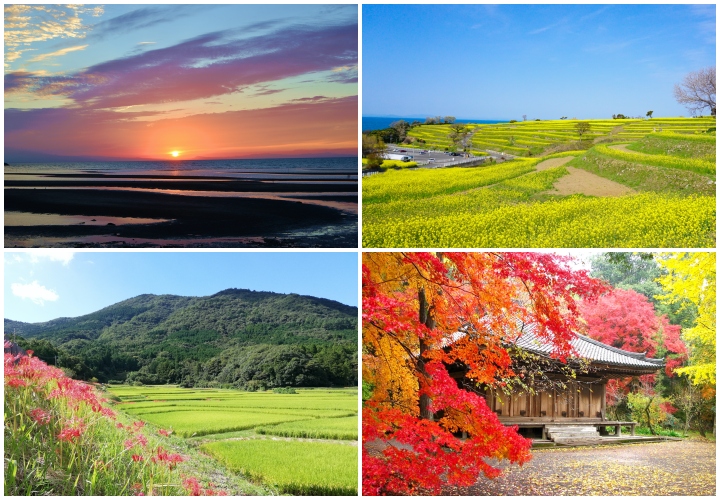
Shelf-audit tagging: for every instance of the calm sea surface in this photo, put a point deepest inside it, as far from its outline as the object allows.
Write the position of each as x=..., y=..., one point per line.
x=207, y=167
x=381, y=122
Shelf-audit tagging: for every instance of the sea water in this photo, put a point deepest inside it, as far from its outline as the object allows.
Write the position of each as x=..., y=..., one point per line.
x=246, y=168
x=381, y=122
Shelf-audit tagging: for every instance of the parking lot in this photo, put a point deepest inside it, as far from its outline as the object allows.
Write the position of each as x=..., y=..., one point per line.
x=438, y=159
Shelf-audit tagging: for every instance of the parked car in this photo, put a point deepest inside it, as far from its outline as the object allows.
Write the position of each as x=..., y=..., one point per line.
x=431, y=160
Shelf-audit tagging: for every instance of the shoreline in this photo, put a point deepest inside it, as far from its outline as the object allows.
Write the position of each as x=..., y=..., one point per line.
x=196, y=220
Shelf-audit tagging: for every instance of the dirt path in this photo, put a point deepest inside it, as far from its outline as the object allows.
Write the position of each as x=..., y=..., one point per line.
x=669, y=468
x=581, y=182
x=553, y=162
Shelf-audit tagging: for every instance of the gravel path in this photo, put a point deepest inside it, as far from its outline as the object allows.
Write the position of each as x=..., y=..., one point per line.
x=666, y=468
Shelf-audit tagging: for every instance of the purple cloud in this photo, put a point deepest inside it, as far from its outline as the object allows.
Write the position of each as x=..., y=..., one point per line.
x=206, y=66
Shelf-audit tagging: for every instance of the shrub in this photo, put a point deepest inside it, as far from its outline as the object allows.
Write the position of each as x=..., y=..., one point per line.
x=284, y=390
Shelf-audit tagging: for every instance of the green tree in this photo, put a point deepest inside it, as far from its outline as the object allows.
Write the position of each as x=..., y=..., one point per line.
x=649, y=114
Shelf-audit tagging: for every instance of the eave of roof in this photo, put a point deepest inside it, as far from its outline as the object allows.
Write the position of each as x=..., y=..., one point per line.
x=592, y=350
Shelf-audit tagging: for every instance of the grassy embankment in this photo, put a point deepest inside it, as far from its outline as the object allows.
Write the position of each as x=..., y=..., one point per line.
x=61, y=438
x=674, y=174
x=270, y=438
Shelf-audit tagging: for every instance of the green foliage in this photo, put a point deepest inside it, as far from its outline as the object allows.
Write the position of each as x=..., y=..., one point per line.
x=284, y=390
x=294, y=468
x=169, y=339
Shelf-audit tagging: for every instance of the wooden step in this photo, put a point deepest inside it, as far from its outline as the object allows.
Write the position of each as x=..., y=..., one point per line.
x=577, y=441
x=573, y=434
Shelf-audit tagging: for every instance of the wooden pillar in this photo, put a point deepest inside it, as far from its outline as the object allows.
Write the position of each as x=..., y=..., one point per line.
x=603, y=403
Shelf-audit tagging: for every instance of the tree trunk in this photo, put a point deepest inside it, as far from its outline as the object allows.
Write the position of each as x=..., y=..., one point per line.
x=427, y=320
x=647, y=415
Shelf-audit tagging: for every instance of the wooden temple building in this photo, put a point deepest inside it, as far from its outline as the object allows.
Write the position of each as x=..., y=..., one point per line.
x=575, y=413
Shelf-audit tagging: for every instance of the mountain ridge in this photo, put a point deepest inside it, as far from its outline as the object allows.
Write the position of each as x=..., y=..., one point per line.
x=169, y=338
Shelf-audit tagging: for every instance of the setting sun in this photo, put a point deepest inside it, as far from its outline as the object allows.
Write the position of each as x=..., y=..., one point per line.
x=175, y=154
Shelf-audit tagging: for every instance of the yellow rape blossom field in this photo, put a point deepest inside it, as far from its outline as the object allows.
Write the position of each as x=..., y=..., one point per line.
x=670, y=178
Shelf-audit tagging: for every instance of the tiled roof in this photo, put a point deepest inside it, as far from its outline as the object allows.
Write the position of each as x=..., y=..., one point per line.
x=590, y=349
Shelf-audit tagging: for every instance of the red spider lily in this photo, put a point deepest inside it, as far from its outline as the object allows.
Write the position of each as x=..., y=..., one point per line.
x=107, y=412
x=137, y=458
x=192, y=485
x=163, y=456
x=16, y=382
x=165, y=433
x=138, y=425
x=40, y=416
x=141, y=440
x=129, y=443
x=69, y=433
x=119, y=425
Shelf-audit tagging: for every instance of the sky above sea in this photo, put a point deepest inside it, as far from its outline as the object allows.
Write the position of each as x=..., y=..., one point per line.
x=188, y=81
x=381, y=122
x=46, y=284
x=543, y=61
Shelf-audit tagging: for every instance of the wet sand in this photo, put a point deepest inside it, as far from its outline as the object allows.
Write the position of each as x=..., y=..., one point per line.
x=313, y=211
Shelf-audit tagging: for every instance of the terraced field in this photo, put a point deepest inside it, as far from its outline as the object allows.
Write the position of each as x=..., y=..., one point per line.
x=533, y=138
x=669, y=200
x=304, y=443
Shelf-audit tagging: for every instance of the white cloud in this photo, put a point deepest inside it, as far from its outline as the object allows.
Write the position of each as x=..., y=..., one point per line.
x=35, y=292
x=57, y=53
x=36, y=256
x=55, y=255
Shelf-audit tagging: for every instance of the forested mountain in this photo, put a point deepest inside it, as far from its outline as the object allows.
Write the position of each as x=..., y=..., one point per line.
x=236, y=337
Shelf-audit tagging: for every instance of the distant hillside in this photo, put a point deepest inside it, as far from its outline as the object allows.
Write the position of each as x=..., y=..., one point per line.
x=193, y=340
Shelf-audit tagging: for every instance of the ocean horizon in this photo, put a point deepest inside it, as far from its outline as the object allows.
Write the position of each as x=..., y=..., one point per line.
x=381, y=122
x=298, y=164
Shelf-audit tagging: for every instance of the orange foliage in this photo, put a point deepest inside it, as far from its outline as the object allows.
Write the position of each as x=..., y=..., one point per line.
x=423, y=313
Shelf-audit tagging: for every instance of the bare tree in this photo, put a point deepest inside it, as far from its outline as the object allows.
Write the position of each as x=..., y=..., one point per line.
x=524, y=118
x=582, y=128
x=697, y=91
x=458, y=135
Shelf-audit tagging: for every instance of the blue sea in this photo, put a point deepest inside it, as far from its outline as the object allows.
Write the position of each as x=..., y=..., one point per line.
x=381, y=122
x=285, y=165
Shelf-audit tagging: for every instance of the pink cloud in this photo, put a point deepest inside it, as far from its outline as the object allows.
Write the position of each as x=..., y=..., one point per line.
x=319, y=127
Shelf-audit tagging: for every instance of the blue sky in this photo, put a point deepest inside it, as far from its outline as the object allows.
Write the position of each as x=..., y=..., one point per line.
x=47, y=284
x=545, y=61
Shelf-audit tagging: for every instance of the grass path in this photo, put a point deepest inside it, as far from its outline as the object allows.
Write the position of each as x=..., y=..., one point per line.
x=624, y=147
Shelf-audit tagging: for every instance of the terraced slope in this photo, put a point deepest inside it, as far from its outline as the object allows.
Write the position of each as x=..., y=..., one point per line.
x=534, y=138
x=669, y=200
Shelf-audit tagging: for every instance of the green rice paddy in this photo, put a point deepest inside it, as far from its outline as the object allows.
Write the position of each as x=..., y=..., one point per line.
x=217, y=418
x=293, y=467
